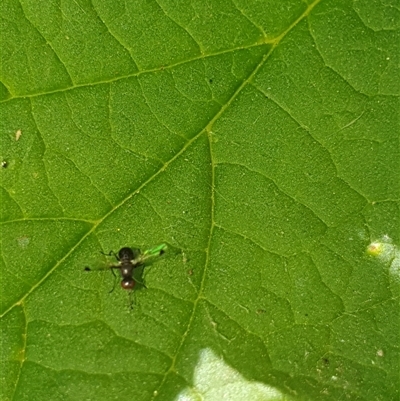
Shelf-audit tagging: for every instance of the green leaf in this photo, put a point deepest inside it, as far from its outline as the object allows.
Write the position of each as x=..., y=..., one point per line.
x=259, y=140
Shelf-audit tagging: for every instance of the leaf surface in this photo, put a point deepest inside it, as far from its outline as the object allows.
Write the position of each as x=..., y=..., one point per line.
x=259, y=140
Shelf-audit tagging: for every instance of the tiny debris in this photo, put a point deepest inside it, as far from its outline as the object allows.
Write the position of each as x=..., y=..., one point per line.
x=18, y=134
x=23, y=241
x=375, y=248
x=4, y=164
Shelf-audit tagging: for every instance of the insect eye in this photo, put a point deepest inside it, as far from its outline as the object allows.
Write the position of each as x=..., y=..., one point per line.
x=127, y=283
x=127, y=253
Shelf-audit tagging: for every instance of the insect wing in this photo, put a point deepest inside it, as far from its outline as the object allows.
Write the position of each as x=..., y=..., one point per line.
x=101, y=263
x=149, y=255
x=156, y=251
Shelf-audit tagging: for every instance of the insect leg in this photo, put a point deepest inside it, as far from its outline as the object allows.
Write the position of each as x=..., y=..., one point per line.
x=115, y=277
x=140, y=282
x=130, y=300
x=111, y=253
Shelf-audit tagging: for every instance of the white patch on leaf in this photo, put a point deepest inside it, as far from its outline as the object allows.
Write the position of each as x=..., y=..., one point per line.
x=214, y=380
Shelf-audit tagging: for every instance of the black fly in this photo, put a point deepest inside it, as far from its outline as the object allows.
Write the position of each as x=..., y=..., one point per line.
x=130, y=258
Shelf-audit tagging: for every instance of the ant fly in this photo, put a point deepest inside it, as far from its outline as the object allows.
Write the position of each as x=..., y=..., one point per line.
x=127, y=261
x=130, y=258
